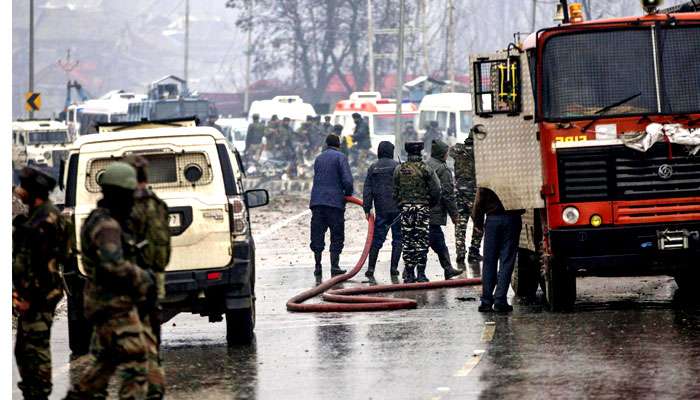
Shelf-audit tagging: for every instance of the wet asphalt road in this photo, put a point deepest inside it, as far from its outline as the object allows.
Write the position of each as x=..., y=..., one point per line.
x=629, y=338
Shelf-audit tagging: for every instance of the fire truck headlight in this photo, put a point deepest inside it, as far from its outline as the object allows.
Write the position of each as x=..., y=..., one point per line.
x=596, y=220
x=570, y=215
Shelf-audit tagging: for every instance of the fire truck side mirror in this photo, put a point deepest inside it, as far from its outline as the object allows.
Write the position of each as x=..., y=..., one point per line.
x=479, y=132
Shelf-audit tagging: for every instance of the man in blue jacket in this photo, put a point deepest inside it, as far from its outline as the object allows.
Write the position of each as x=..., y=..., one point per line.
x=378, y=191
x=332, y=182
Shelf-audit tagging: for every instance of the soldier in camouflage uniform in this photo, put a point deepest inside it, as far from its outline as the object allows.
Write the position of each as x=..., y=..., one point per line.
x=416, y=189
x=465, y=180
x=116, y=291
x=253, y=141
x=39, y=242
x=149, y=225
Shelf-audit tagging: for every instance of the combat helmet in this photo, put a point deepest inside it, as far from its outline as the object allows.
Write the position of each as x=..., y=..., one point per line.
x=118, y=174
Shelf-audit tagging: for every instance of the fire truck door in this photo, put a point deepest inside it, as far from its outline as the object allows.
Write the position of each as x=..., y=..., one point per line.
x=506, y=146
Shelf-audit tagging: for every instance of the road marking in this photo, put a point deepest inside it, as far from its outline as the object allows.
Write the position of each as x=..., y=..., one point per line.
x=489, y=330
x=275, y=227
x=470, y=364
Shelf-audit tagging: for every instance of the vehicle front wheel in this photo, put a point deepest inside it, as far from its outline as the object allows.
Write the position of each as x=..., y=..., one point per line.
x=560, y=284
x=240, y=325
x=526, y=274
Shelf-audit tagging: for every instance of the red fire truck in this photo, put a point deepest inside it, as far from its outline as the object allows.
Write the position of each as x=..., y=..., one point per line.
x=593, y=128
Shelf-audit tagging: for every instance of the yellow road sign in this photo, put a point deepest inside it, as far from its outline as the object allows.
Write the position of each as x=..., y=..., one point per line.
x=32, y=101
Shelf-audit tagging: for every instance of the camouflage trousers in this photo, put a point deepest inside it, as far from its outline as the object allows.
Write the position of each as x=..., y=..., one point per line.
x=465, y=201
x=414, y=235
x=156, y=375
x=33, y=353
x=118, y=343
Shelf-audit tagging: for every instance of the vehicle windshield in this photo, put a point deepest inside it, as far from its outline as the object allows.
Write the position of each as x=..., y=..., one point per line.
x=384, y=124
x=465, y=123
x=47, y=137
x=88, y=122
x=612, y=72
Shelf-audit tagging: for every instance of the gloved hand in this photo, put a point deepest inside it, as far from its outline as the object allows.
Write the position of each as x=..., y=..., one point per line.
x=151, y=300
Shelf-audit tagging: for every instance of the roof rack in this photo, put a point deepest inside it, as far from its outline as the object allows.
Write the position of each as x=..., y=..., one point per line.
x=184, y=122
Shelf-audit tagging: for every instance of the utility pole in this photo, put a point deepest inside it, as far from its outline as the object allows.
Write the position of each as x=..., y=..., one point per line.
x=399, y=83
x=423, y=4
x=249, y=51
x=370, y=44
x=534, y=15
x=187, y=36
x=450, y=44
x=31, y=51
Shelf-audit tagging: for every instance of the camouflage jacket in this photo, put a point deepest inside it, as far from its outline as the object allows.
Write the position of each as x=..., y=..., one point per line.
x=416, y=183
x=465, y=173
x=256, y=131
x=115, y=283
x=149, y=226
x=40, y=242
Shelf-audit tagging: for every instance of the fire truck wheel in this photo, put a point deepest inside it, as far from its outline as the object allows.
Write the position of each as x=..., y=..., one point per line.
x=685, y=281
x=526, y=274
x=560, y=284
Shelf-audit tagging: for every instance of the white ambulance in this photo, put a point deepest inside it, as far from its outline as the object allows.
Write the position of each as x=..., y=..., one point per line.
x=380, y=114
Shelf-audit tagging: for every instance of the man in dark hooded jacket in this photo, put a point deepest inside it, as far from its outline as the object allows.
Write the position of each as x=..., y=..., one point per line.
x=378, y=191
x=332, y=182
x=446, y=205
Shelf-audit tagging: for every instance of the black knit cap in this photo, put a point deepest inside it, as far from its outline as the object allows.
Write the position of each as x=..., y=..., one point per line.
x=413, y=147
x=332, y=140
x=34, y=180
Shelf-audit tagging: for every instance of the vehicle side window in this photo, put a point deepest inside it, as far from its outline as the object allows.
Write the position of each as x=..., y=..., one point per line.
x=425, y=118
x=227, y=169
x=71, y=179
x=452, y=130
x=442, y=119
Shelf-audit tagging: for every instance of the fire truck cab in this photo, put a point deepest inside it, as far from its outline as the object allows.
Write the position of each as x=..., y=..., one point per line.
x=593, y=128
x=379, y=113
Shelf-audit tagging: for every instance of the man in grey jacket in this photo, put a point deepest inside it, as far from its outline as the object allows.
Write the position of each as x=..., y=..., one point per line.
x=446, y=205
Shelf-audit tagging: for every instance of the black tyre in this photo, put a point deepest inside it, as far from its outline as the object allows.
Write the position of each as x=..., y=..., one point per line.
x=687, y=283
x=240, y=326
x=560, y=284
x=79, y=329
x=526, y=274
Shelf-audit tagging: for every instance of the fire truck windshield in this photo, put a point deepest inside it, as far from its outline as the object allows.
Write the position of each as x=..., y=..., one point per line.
x=384, y=124
x=586, y=72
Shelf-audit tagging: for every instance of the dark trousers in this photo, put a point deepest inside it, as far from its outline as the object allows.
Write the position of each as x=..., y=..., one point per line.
x=501, y=237
x=322, y=219
x=381, y=229
x=436, y=240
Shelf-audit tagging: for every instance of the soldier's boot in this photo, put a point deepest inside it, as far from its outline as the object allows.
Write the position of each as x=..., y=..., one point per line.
x=447, y=266
x=373, y=255
x=421, y=274
x=335, y=268
x=318, y=256
x=474, y=256
x=461, y=265
x=395, y=257
x=409, y=275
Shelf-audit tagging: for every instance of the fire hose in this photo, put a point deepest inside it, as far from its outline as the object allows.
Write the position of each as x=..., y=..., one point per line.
x=349, y=299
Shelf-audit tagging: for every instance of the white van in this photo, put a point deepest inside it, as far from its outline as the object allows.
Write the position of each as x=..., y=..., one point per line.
x=452, y=111
x=292, y=107
x=197, y=173
x=39, y=142
x=235, y=131
x=380, y=114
